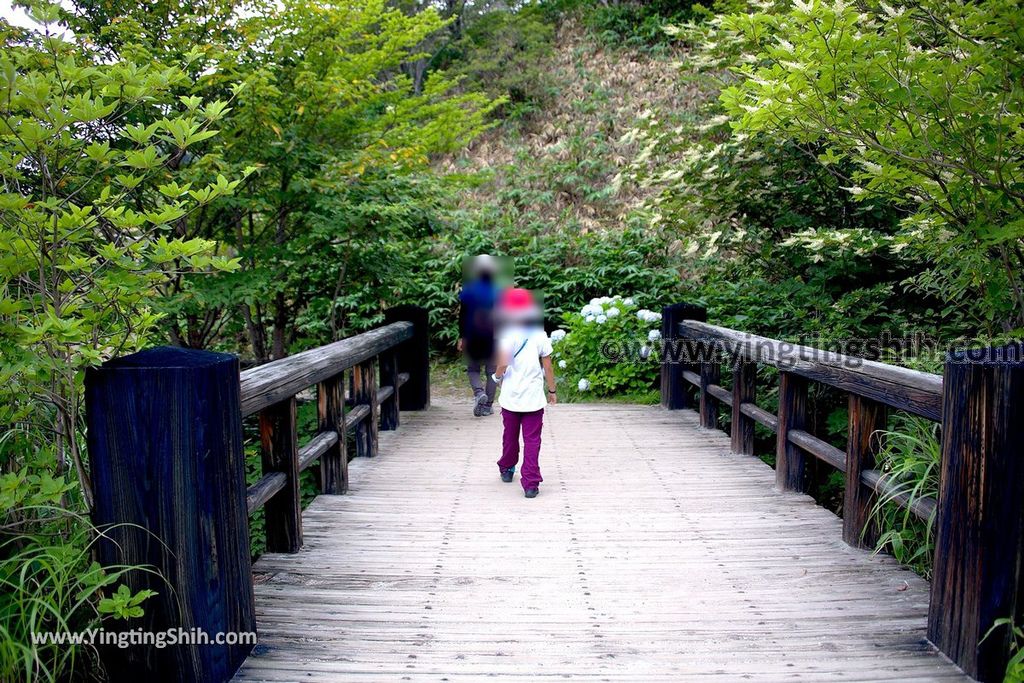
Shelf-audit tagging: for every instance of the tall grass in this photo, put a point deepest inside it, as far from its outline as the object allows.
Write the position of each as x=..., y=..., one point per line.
x=50, y=583
x=909, y=458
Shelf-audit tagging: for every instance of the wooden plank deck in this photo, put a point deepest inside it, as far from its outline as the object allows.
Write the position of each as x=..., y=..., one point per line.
x=651, y=554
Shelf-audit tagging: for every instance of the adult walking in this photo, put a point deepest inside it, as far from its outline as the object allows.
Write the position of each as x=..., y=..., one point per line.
x=476, y=330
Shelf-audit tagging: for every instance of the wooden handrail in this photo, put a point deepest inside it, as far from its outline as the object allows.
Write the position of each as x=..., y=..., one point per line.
x=277, y=380
x=260, y=492
x=913, y=391
x=901, y=388
x=979, y=400
x=166, y=445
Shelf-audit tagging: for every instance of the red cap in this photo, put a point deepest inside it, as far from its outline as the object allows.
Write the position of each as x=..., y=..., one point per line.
x=517, y=299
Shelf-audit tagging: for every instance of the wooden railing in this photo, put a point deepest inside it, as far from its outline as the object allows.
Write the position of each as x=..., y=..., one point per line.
x=979, y=401
x=167, y=460
x=269, y=391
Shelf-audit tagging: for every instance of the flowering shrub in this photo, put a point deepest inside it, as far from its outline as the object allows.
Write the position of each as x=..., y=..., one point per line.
x=610, y=347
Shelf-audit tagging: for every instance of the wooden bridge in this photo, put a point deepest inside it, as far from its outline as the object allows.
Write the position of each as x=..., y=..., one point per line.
x=658, y=550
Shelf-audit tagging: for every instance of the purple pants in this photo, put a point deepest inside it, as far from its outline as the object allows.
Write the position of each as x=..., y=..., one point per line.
x=531, y=424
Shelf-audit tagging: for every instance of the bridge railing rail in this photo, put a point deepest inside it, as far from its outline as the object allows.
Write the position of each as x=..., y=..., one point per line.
x=169, y=474
x=978, y=516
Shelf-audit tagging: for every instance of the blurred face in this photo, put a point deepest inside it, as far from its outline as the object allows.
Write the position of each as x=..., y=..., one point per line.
x=496, y=269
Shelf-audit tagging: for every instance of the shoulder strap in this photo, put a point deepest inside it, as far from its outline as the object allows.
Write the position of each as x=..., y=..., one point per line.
x=520, y=349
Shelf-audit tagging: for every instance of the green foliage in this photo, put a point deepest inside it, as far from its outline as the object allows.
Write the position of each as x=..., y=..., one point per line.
x=86, y=224
x=922, y=104
x=340, y=136
x=910, y=461
x=610, y=348
x=565, y=265
x=779, y=246
x=122, y=604
x=640, y=24
x=49, y=582
x=503, y=54
x=1015, y=665
x=89, y=207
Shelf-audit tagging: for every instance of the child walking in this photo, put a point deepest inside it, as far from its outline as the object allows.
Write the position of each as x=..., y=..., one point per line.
x=527, y=379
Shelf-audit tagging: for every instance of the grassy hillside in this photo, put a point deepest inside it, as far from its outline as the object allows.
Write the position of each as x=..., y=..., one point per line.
x=563, y=164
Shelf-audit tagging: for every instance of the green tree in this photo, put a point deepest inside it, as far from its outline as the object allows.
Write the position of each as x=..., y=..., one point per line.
x=924, y=102
x=90, y=202
x=86, y=221
x=326, y=115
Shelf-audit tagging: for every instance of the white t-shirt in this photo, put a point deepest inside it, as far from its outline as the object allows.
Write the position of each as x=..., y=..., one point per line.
x=522, y=386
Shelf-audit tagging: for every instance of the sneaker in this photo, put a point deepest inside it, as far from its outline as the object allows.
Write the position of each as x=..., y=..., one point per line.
x=486, y=410
x=531, y=493
x=506, y=475
x=478, y=404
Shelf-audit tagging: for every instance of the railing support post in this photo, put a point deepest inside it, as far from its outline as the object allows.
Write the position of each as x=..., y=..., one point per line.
x=790, y=460
x=389, y=416
x=675, y=391
x=744, y=389
x=866, y=419
x=280, y=453
x=710, y=373
x=330, y=396
x=980, y=516
x=413, y=356
x=165, y=446
x=364, y=392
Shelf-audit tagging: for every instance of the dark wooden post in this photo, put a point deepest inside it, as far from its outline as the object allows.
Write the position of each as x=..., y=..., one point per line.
x=675, y=391
x=866, y=419
x=744, y=388
x=978, y=533
x=790, y=461
x=389, y=378
x=330, y=396
x=165, y=446
x=413, y=356
x=710, y=373
x=280, y=453
x=364, y=383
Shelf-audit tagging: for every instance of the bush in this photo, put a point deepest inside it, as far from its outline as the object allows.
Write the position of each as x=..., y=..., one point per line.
x=910, y=461
x=609, y=349
x=49, y=581
x=641, y=24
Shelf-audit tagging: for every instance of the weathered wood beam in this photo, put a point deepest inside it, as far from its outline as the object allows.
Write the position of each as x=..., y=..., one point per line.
x=275, y=381
x=916, y=392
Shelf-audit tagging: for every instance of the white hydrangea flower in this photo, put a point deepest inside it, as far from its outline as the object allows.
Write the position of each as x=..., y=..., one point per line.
x=628, y=301
x=654, y=335
x=590, y=318
x=558, y=335
x=562, y=364
x=645, y=352
x=612, y=312
x=601, y=319
x=648, y=316
x=583, y=384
